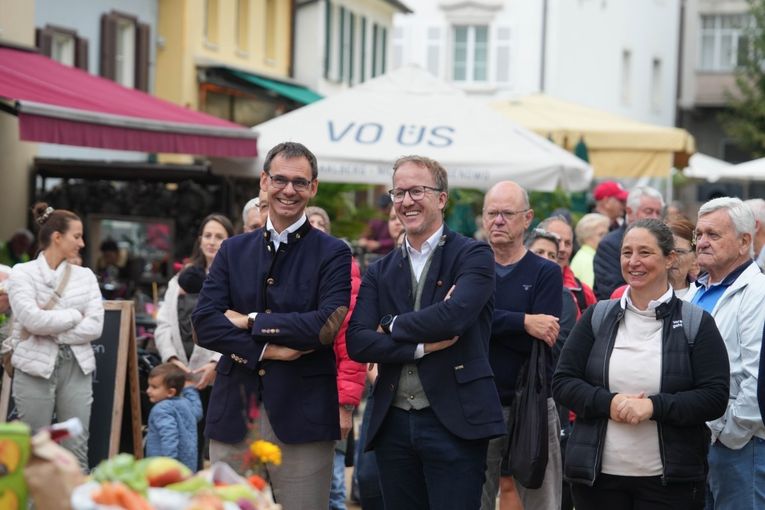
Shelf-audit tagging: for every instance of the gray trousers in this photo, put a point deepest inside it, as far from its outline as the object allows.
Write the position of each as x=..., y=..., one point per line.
x=68, y=392
x=548, y=496
x=303, y=479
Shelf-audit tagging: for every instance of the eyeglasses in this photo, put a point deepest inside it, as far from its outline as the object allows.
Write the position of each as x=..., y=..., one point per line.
x=506, y=215
x=416, y=193
x=281, y=182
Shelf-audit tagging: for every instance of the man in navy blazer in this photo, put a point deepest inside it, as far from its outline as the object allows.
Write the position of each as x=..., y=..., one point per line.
x=424, y=315
x=272, y=305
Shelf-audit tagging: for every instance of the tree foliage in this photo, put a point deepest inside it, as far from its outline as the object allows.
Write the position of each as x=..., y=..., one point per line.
x=745, y=119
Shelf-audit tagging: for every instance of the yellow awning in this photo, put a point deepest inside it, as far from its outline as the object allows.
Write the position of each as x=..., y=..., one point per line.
x=618, y=147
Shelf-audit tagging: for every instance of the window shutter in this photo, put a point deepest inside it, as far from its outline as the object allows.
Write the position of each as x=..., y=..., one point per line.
x=81, y=53
x=44, y=41
x=142, y=47
x=108, y=46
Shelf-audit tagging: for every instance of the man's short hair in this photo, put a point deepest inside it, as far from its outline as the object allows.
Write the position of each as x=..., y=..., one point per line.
x=638, y=192
x=253, y=203
x=434, y=167
x=290, y=150
x=739, y=213
x=172, y=376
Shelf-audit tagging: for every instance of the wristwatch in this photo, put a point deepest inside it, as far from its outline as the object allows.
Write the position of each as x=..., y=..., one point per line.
x=385, y=323
x=251, y=319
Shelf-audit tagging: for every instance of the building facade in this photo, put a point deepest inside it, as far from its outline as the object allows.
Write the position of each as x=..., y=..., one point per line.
x=352, y=37
x=210, y=52
x=17, y=27
x=616, y=55
x=713, y=36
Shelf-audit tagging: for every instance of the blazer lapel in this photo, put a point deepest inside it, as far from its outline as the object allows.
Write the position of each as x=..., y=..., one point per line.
x=432, y=282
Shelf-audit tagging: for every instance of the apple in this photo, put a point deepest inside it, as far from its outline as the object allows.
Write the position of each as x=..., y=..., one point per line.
x=161, y=471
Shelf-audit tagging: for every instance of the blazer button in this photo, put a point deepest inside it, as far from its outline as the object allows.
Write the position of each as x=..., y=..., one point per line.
x=261, y=372
x=268, y=310
x=439, y=283
x=270, y=281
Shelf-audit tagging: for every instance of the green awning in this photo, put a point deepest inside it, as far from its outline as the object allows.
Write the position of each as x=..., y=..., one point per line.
x=295, y=92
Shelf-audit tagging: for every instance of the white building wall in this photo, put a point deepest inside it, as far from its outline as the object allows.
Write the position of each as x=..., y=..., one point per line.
x=426, y=38
x=586, y=46
x=585, y=41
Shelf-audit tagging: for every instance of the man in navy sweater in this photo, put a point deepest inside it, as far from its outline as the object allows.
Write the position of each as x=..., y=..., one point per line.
x=529, y=292
x=272, y=304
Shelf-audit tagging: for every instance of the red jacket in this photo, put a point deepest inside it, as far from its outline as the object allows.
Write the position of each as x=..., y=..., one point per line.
x=351, y=375
x=578, y=287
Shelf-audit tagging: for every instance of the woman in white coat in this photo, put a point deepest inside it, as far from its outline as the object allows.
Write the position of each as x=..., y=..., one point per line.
x=173, y=335
x=57, y=312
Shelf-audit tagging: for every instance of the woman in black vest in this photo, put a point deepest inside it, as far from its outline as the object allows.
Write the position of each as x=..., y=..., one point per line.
x=642, y=390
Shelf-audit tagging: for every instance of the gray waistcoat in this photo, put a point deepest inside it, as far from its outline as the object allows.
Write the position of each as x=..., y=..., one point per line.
x=410, y=393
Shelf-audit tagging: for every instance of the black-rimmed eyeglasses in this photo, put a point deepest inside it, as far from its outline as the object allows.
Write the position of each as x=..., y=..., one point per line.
x=416, y=193
x=281, y=182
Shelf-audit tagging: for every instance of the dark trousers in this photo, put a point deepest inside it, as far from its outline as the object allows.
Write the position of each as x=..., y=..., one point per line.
x=422, y=465
x=638, y=493
x=370, y=494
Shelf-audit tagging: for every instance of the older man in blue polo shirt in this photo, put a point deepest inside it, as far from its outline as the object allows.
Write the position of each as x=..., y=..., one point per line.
x=732, y=289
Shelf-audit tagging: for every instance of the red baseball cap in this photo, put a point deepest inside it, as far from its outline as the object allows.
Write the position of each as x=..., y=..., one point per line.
x=610, y=189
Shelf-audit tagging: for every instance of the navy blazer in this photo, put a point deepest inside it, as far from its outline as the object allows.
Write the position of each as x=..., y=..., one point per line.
x=458, y=381
x=302, y=293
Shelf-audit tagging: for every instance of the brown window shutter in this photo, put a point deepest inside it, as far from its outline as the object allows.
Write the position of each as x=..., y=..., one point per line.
x=108, y=46
x=142, y=53
x=81, y=53
x=44, y=41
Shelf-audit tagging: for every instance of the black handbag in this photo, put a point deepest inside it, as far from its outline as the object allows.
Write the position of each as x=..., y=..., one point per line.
x=526, y=457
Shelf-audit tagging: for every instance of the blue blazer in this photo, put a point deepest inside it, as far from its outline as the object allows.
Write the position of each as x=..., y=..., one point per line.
x=302, y=293
x=458, y=381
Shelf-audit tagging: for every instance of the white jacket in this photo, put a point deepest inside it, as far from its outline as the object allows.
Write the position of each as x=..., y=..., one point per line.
x=740, y=315
x=167, y=334
x=76, y=320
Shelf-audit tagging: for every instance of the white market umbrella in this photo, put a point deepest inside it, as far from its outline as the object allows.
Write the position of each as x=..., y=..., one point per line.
x=701, y=166
x=358, y=134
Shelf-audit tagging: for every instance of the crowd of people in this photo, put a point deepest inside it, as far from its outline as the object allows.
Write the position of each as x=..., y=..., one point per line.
x=649, y=326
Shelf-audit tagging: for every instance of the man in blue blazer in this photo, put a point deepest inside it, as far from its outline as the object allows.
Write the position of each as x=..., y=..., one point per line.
x=272, y=305
x=424, y=315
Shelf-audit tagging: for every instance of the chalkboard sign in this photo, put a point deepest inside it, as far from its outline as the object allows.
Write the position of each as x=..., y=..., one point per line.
x=115, y=384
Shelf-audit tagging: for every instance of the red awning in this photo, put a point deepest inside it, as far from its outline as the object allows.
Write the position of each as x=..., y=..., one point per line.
x=60, y=104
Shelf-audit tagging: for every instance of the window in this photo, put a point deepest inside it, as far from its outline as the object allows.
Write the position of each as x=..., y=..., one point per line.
x=722, y=41
x=471, y=52
x=272, y=31
x=125, y=50
x=656, y=85
x=243, y=25
x=398, y=47
x=379, y=49
x=210, y=21
x=626, y=77
x=63, y=45
x=503, y=55
x=125, y=54
x=434, y=51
